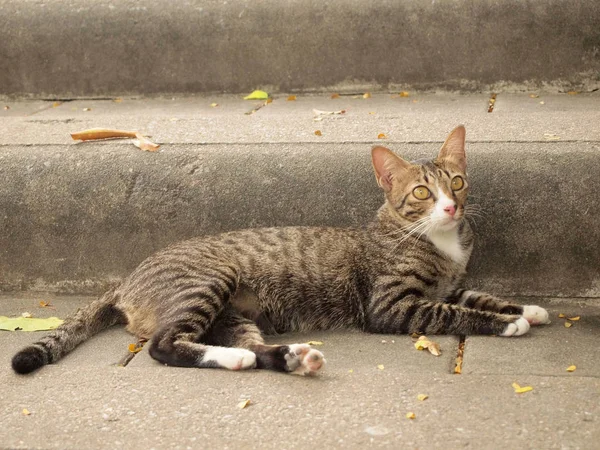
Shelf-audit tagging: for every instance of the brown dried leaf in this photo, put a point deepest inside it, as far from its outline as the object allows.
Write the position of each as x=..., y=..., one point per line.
x=56, y=104
x=101, y=133
x=574, y=319
x=404, y=94
x=381, y=136
x=533, y=95
x=573, y=92
x=291, y=98
x=44, y=304
x=318, y=133
x=118, y=100
x=144, y=144
x=424, y=343
x=335, y=96
x=134, y=348
x=243, y=404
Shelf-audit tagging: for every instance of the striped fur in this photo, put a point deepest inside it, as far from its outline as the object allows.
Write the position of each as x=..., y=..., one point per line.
x=207, y=301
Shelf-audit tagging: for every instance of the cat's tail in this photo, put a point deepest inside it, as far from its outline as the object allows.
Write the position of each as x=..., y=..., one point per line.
x=76, y=329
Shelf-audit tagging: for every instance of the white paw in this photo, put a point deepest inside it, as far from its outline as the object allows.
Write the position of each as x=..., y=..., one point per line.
x=229, y=358
x=535, y=315
x=304, y=360
x=517, y=328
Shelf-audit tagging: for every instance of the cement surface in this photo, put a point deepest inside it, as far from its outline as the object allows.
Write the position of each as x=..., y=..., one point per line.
x=78, y=216
x=79, y=48
x=351, y=404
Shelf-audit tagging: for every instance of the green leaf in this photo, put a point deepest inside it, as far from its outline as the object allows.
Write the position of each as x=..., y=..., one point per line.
x=257, y=95
x=29, y=324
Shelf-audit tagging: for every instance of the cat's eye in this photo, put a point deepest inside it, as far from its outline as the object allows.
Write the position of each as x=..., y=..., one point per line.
x=421, y=192
x=457, y=183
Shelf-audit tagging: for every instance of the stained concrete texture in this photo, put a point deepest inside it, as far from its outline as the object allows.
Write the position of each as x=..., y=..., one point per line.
x=80, y=48
x=86, y=401
x=77, y=217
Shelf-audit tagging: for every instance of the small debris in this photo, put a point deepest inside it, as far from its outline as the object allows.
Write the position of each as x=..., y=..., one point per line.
x=44, y=304
x=333, y=96
x=381, y=136
x=56, y=104
x=533, y=95
x=291, y=98
x=542, y=103
x=571, y=368
x=351, y=371
x=404, y=94
x=318, y=133
x=27, y=315
x=118, y=100
x=86, y=109
x=422, y=397
x=367, y=95
x=520, y=390
x=26, y=412
x=568, y=324
x=561, y=316
x=214, y=105
x=424, y=343
x=243, y=404
x=319, y=112
x=144, y=144
x=574, y=319
x=6, y=108
x=134, y=348
x=314, y=343
x=573, y=92
x=411, y=415
x=492, y=102
x=380, y=366
x=551, y=137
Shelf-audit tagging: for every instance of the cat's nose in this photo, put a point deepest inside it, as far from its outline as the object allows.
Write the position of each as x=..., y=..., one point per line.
x=451, y=209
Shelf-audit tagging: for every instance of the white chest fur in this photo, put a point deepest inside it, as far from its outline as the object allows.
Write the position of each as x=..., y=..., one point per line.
x=449, y=243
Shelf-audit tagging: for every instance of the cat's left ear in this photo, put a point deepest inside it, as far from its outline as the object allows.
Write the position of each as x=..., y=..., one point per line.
x=453, y=149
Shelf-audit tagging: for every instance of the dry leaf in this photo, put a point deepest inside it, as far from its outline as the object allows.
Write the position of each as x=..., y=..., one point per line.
x=367, y=95
x=568, y=324
x=551, y=137
x=134, y=348
x=44, y=304
x=404, y=94
x=56, y=104
x=243, y=404
x=561, y=315
x=214, y=105
x=411, y=415
x=422, y=397
x=144, y=144
x=101, y=133
x=269, y=100
x=318, y=133
x=291, y=98
x=542, y=103
x=371, y=112
x=571, y=368
x=118, y=100
x=381, y=136
x=380, y=366
x=533, y=95
x=257, y=95
x=573, y=92
x=575, y=319
x=26, y=315
x=87, y=109
x=335, y=96
x=520, y=390
x=314, y=343
x=26, y=412
x=29, y=323
x=351, y=371
x=424, y=343
x=6, y=108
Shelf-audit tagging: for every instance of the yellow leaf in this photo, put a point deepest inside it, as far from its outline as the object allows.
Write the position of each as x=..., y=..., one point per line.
x=561, y=315
x=380, y=366
x=568, y=324
x=291, y=98
x=516, y=386
x=335, y=96
x=257, y=95
x=422, y=397
x=29, y=324
x=318, y=133
x=523, y=390
x=56, y=104
x=411, y=415
x=367, y=95
x=575, y=319
x=404, y=94
x=214, y=105
x=571, y=368
x=381, y=136
x=134, y=348
x=243, y=404
x=314, y=343
x=26, y=412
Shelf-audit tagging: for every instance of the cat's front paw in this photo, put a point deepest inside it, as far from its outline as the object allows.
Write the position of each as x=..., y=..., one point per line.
x=302, y=359
x=535, y=315
x=516, y=328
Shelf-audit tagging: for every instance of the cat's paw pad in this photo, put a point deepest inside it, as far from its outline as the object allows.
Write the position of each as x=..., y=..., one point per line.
x=536, y=315
x=302, y=359
x=516, y=328
x=230, y=358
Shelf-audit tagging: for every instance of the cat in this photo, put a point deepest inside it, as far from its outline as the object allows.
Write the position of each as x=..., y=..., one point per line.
x=205, y=302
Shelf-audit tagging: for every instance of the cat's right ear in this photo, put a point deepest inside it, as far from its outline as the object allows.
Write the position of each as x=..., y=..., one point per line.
x=387, y=166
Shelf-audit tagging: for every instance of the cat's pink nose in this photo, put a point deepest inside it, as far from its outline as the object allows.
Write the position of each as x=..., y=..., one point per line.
x=451, y=210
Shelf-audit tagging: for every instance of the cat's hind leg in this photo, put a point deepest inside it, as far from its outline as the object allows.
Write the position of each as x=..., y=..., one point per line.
x=481, y=301
x=231, y=329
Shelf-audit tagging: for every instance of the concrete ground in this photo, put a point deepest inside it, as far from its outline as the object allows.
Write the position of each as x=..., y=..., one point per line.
x=76, y=217
x=88, y=400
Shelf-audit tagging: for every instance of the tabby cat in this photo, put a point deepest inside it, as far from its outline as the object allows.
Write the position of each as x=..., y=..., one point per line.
x=205, y=302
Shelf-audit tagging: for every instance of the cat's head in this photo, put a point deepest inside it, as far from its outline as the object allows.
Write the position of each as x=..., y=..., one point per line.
x=432, y=195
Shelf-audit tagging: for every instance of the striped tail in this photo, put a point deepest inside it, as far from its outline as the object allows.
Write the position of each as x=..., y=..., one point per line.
x=76, y=329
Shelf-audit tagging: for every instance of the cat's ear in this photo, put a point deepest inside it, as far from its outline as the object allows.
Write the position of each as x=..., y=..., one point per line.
x=453, y=149
x=387, y=166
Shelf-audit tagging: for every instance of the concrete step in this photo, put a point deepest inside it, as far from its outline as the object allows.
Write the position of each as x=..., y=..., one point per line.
x=76, y=49
x=77, y=217
x=86, y=401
